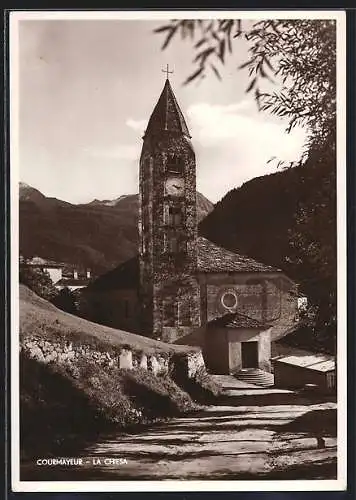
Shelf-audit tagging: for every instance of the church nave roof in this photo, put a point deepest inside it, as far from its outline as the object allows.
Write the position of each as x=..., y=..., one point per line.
x=212, y=258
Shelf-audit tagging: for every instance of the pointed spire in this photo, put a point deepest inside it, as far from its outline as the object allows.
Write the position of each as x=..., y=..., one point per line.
x=167, y=115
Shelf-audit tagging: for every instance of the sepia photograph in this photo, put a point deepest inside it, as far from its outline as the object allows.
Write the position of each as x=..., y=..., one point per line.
x=178, y=250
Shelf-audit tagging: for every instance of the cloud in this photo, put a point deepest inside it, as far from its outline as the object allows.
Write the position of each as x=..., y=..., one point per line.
x=214, y=124
x=236, y=142
x=139, y=125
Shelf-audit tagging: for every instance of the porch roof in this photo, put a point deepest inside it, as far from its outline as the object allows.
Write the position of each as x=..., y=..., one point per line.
x=237, y=320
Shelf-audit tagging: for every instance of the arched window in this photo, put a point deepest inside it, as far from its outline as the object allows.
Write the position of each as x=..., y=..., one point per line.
x=175, y=164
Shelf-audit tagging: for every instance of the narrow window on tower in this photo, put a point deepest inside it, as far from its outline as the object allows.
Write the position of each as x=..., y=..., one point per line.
x=173, y=244
x=175, y=216
x=170, y=243
x=184, y=312
x=166, y=213
x=175, y=164
x=183, y=245
x=168, y=312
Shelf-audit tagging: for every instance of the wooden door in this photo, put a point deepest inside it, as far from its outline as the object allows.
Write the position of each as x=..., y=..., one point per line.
x=249, y=354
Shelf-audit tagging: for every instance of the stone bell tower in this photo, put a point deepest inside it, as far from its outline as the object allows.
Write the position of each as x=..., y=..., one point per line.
x=169, y=291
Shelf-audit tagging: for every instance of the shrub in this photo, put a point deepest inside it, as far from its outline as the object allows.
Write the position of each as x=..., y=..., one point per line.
x=38, y=281
x=60, y=404
x=65, y=300
x=201, y=387
x=155, y=395
x=207, y=384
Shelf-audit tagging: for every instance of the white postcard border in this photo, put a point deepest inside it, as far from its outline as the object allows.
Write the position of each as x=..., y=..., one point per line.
x=187, y=485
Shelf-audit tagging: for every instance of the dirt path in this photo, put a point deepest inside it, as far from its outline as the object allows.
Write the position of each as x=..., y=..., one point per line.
x=218, y=443
x=227, y=441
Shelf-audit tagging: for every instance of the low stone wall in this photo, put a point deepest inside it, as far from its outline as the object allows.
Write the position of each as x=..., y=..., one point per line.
x=186, y=367
x=64, y=352
x=195, y=362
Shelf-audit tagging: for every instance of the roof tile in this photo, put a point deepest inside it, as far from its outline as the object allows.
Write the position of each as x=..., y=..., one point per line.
x=212, y=258
x=237, y=320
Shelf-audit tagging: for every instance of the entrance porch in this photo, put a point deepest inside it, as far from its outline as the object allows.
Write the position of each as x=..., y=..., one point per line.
x=229, y=350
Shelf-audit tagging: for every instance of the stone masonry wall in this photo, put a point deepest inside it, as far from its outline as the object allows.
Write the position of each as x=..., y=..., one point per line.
x=269, y=299
x=64, y=353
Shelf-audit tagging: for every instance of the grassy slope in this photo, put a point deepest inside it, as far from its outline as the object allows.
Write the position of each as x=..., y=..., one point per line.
x=62, y=406
x=39, y=317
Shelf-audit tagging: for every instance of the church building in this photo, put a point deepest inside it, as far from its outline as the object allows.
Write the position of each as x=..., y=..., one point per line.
x=180, y=287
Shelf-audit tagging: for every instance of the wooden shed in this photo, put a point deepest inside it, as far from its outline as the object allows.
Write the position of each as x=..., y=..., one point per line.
x=301, y=368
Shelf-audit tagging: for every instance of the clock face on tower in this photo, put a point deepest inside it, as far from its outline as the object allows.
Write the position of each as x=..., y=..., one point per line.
x=174, y=186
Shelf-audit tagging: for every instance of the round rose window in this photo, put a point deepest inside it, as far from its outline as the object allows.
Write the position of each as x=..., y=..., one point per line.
x=229, y=300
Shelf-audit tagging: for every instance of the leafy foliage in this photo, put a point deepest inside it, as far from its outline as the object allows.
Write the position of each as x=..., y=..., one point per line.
x=65, y=300
x=37, y=280
x=63, y=404
x=292, y=74
x=298, y=55
x=312, y=246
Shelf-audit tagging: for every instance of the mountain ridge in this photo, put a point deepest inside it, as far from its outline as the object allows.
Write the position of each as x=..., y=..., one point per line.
x=99, y=235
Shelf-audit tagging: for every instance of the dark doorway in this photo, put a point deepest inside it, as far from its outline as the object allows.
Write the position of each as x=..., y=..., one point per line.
x=249, y=354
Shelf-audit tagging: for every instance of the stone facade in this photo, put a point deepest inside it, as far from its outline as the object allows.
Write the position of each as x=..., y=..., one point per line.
x=237, y=338
x=234, y=342
x=267, y=297
x=169, y=292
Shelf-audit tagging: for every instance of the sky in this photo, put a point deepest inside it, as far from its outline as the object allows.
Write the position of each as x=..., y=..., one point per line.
x=87, y=89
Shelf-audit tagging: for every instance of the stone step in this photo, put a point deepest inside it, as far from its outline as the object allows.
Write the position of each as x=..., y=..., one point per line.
x=256, y=377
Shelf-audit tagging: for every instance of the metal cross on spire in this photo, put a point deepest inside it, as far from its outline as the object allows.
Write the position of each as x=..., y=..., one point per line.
x=167, y=71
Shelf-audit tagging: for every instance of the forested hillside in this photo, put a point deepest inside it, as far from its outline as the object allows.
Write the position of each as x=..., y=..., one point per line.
x=98, y=235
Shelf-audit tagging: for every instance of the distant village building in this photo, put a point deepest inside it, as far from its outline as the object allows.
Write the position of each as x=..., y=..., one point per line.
x=183, y=288
x=72, y=283
x=62, y=275
x=54, y=269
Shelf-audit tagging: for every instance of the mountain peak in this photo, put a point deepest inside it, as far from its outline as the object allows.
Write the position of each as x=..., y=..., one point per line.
x=29, y=193
x=23, y=185
x=110, y=203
